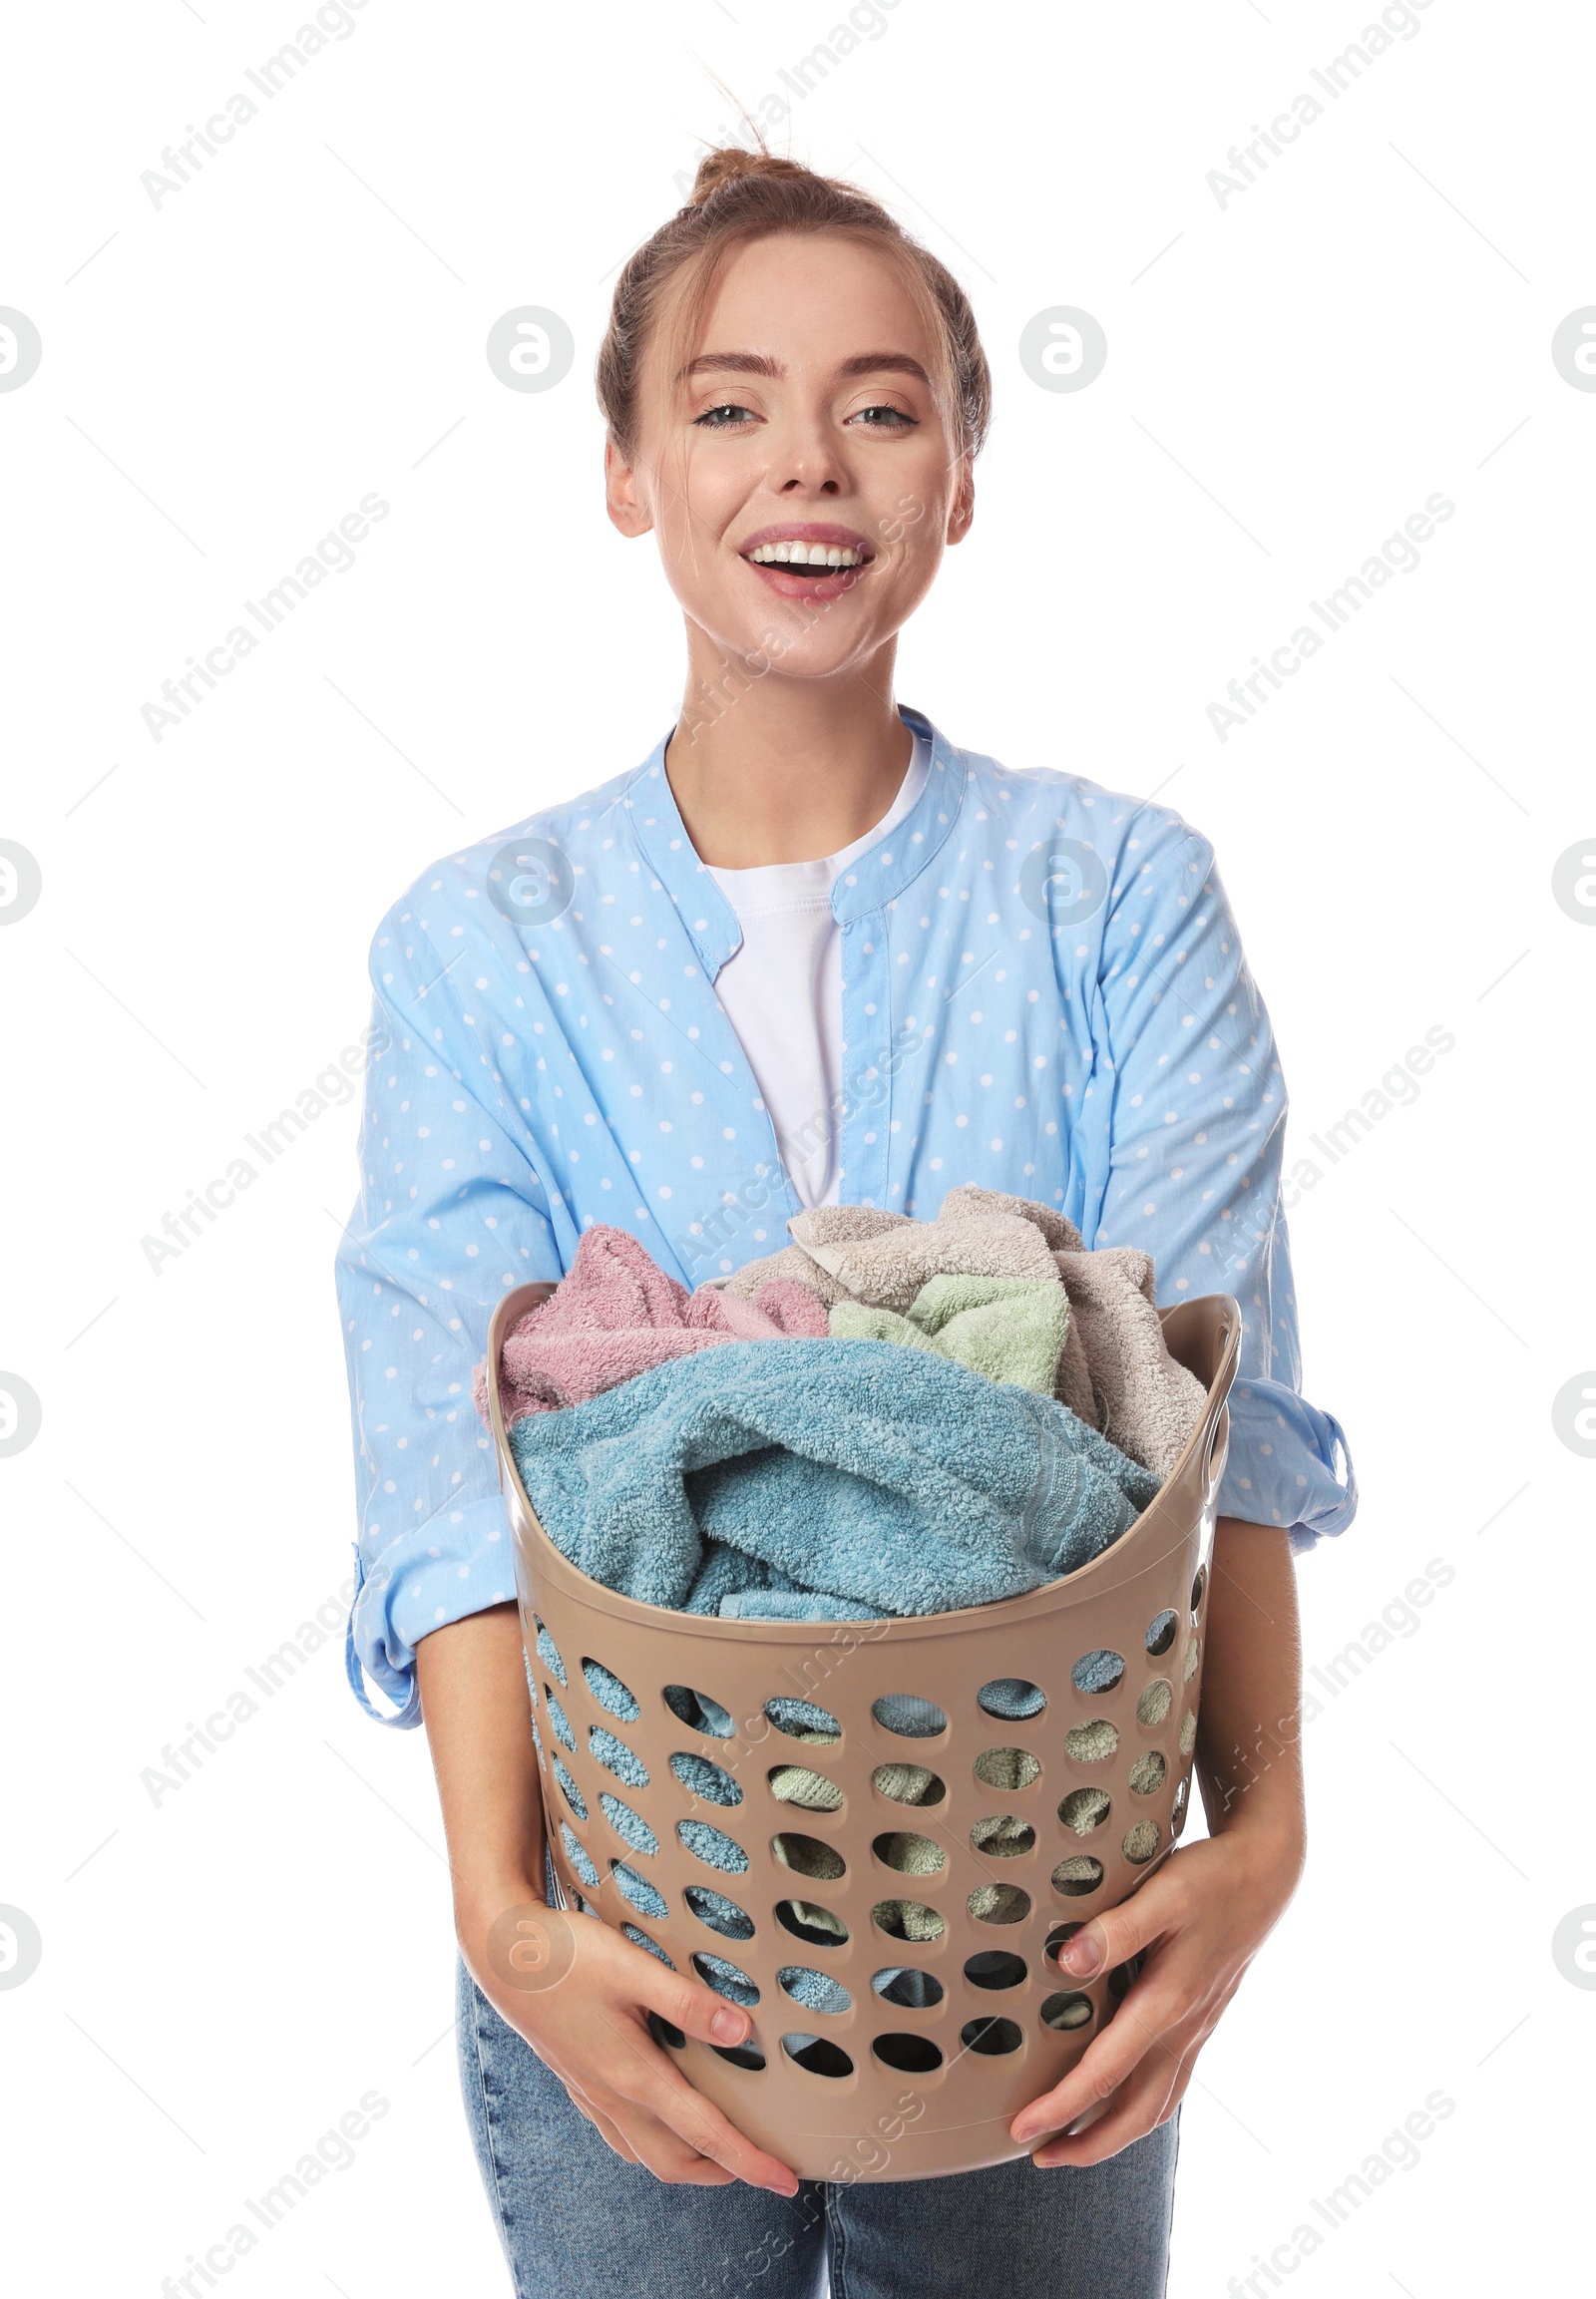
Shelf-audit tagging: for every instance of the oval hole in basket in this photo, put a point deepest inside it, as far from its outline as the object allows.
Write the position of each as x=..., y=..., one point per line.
x=628, y=1824
x=810, y=1791
x=637, y=1890
x=1155, y=1702
x=1069, y=2008
x=809, y=1856
x=818, y=2055
x=714, y=1850
x=698, y=1711
x=549, y=1653
x=910, y=2055
x=727, y=1979
x=1177, y=1810
x=610, y=1692
x=666, y=2031
x=817, y=1927
x=1007, y=1768
x=995, y=1968
x=1098, y=1671
x=902, y=1984
x=998, y=1904
x=1085, y=1810
x=720, y=1914
x=1091, y=1743
x=702, y=1778
x=1001, y=1837
x=910, y=1717
x=804, y=1720
x=1057, y=1938
x=570, y=1790
x=1140, y=1843
x=1011, y=1696
x=1075, y=1878
x=612, y=1752
x=1188, y=1731
x=993, y=2036
x=906, y=1919
x=1194, y=1654
x=1198, y=1590
x=740, y=2055
x=907, y=1855
x=1147, y=1774
x=907, y=1785
x=814, y=1991
x=561, y=1721
x=1160, y=1633
x=577, y=1854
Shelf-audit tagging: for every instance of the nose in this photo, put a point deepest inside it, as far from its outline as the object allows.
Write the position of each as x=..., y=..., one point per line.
x=807, y=458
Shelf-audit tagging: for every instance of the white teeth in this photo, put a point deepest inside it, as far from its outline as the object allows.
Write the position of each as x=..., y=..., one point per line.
x=803, y=555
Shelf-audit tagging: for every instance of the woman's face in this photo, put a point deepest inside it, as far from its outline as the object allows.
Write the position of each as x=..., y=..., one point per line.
x=804, y=424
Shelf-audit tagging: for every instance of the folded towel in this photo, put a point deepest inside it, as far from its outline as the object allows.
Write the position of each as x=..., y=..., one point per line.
x=894, y=1481
x=1009, y=1328
x=615, y=1313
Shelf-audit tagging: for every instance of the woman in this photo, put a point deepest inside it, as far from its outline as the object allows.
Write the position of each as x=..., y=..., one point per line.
x=808, y=951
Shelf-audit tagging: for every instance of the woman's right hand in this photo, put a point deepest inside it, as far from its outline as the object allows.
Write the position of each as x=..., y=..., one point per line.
x=580, y=1995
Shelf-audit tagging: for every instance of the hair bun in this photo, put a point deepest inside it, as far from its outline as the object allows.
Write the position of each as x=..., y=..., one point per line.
x=732, y=160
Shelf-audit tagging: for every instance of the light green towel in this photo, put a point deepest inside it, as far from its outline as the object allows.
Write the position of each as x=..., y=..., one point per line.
x=1009, y=1328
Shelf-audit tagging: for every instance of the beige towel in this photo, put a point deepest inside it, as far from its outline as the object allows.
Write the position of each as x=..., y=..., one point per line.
x=888, y=1270
x=1149, y=1404
x=1114, y=1372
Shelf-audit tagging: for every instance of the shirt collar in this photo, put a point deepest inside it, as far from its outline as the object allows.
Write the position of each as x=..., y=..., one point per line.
x=874, y=879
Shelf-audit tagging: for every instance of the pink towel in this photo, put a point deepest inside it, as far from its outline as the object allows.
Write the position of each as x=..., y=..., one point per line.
x=615, y=1314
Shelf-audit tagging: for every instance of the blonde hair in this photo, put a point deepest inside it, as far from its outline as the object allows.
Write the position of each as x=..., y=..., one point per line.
x=739, y=197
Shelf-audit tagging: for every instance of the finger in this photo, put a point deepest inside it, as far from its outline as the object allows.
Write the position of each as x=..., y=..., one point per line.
x=1106, y=2063
x=1140, y=2106
x=1121, y=1933
x=698, y=2011
x=642, y=2139
x=646, y=2075
x=638, y=2138
x=671, y=2160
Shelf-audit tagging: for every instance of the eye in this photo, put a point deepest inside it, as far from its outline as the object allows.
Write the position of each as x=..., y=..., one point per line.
x=725, y=418
x=885, y=418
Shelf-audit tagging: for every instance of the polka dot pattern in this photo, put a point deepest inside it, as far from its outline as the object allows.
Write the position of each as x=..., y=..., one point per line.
x=528, y=1075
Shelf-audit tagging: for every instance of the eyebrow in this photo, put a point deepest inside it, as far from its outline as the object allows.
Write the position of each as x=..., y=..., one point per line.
x=758, y=363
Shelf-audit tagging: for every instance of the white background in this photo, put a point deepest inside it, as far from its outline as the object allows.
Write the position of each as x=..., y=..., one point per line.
x=226, y=1973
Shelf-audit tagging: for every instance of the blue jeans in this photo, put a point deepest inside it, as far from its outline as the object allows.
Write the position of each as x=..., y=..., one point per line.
x=577, y=2222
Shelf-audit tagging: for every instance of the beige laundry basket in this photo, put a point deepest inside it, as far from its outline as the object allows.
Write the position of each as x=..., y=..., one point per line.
x=919, y=2076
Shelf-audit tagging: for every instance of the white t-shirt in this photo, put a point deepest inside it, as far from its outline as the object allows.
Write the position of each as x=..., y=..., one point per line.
x=782, y=991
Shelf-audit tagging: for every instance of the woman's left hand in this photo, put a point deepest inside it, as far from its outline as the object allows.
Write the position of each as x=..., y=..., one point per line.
x=1197, y=1923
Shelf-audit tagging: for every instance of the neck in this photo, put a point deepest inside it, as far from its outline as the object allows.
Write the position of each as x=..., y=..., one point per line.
x=771, y=769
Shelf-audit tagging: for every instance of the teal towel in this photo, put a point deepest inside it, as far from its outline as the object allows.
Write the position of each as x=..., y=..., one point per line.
x=888, y=1478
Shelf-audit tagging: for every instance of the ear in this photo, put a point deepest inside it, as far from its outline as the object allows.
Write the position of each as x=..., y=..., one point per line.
x=961, y=510
x=623, y=497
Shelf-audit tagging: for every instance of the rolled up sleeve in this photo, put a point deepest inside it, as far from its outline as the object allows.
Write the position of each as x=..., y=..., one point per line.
x=1198, y=1135
x=451, y=1214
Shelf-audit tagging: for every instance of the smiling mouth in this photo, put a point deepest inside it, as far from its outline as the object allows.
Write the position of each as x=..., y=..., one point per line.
x=808, y=558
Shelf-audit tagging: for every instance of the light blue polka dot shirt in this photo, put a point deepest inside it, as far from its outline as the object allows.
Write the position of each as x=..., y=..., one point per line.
x=1042, y=993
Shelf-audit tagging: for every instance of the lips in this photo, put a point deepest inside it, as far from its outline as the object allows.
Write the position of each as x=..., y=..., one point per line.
x=806, y=559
